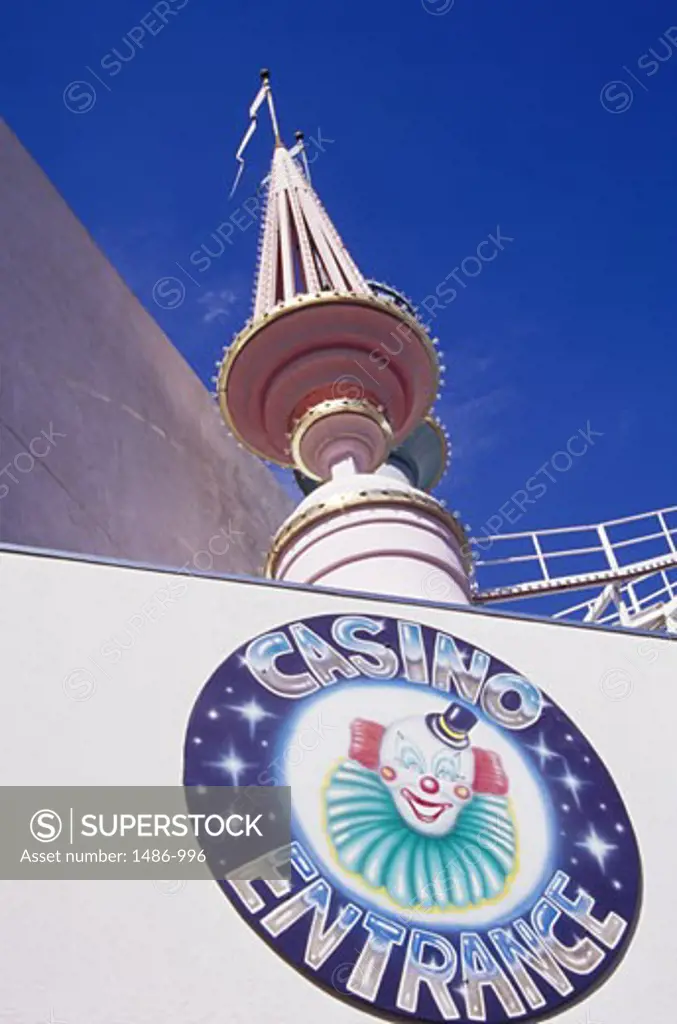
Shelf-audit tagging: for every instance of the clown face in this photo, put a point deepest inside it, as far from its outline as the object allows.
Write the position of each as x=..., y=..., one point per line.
x=430, y=782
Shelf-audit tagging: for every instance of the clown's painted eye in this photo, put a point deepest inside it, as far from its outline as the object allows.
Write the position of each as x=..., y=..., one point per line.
x=446, y=768
x=410, y=758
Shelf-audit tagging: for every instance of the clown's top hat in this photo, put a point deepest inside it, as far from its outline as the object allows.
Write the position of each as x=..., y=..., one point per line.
x=452, y=725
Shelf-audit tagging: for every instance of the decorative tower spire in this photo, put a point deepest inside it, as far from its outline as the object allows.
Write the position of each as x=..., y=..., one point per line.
x=317, y=325
x=335, y=376
x=301, y=251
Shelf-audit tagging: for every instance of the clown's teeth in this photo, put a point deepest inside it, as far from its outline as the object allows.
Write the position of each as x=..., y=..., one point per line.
x=432, y=810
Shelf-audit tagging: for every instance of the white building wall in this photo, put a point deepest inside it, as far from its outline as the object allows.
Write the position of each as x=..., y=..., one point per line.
x=140, y=465
x=129, y=952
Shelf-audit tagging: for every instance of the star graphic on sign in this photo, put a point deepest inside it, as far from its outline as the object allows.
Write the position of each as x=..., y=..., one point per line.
x=253, y=713
x=543, y=750
x=572, y=783
x=597, y=847
x=232, y=764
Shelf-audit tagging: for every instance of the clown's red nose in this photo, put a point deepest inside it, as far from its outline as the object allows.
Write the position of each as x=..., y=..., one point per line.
x=429, y=784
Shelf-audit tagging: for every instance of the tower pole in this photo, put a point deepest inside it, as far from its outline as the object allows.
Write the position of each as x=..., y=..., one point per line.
x=265, y=78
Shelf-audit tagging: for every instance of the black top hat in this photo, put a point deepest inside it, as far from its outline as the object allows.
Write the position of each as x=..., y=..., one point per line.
x=452, y=725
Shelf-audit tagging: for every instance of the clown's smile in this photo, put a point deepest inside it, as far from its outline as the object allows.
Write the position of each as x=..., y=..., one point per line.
x=427, y=811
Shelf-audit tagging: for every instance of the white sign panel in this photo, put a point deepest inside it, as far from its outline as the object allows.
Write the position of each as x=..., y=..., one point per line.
x=483, y=823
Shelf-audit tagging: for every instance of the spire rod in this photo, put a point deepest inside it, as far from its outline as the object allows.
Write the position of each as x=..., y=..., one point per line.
x=264, y=94
x=265, y=79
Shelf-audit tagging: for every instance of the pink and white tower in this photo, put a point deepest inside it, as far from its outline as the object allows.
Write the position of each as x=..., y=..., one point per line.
x=335, y=377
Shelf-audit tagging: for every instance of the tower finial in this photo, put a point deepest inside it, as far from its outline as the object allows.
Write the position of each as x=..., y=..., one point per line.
x=264, y=94
x=265, y=79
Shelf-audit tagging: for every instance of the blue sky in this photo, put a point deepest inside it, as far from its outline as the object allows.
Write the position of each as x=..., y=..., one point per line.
x=551, y=121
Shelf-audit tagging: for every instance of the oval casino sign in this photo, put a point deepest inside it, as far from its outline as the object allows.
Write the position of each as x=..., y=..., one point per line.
x=459, y=850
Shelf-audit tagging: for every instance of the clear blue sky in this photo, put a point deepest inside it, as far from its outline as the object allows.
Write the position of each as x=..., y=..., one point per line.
x=444, y=126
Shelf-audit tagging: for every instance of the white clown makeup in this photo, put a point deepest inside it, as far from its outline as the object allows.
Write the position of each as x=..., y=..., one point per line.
x=428, y=781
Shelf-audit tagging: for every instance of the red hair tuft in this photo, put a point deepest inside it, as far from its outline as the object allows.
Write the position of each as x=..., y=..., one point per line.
x=490, y=776
x=365, y=742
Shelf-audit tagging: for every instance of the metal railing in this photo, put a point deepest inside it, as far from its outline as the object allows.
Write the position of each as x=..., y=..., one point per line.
x=629, y=563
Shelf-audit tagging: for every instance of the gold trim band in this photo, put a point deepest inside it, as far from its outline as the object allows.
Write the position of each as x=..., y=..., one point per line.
x=338, y=505
x=333, y=407
x=285, y=309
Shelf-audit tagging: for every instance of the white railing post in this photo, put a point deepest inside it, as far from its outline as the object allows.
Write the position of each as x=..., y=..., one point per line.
x=539, y=554
x=668, y=535
x=670, y=587
x=613, y=564
x=607, y=547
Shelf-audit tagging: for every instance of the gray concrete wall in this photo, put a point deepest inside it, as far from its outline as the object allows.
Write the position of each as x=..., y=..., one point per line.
x=109, y=443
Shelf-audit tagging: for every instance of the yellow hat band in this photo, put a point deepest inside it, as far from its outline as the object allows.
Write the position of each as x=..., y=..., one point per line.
x=450, y=732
